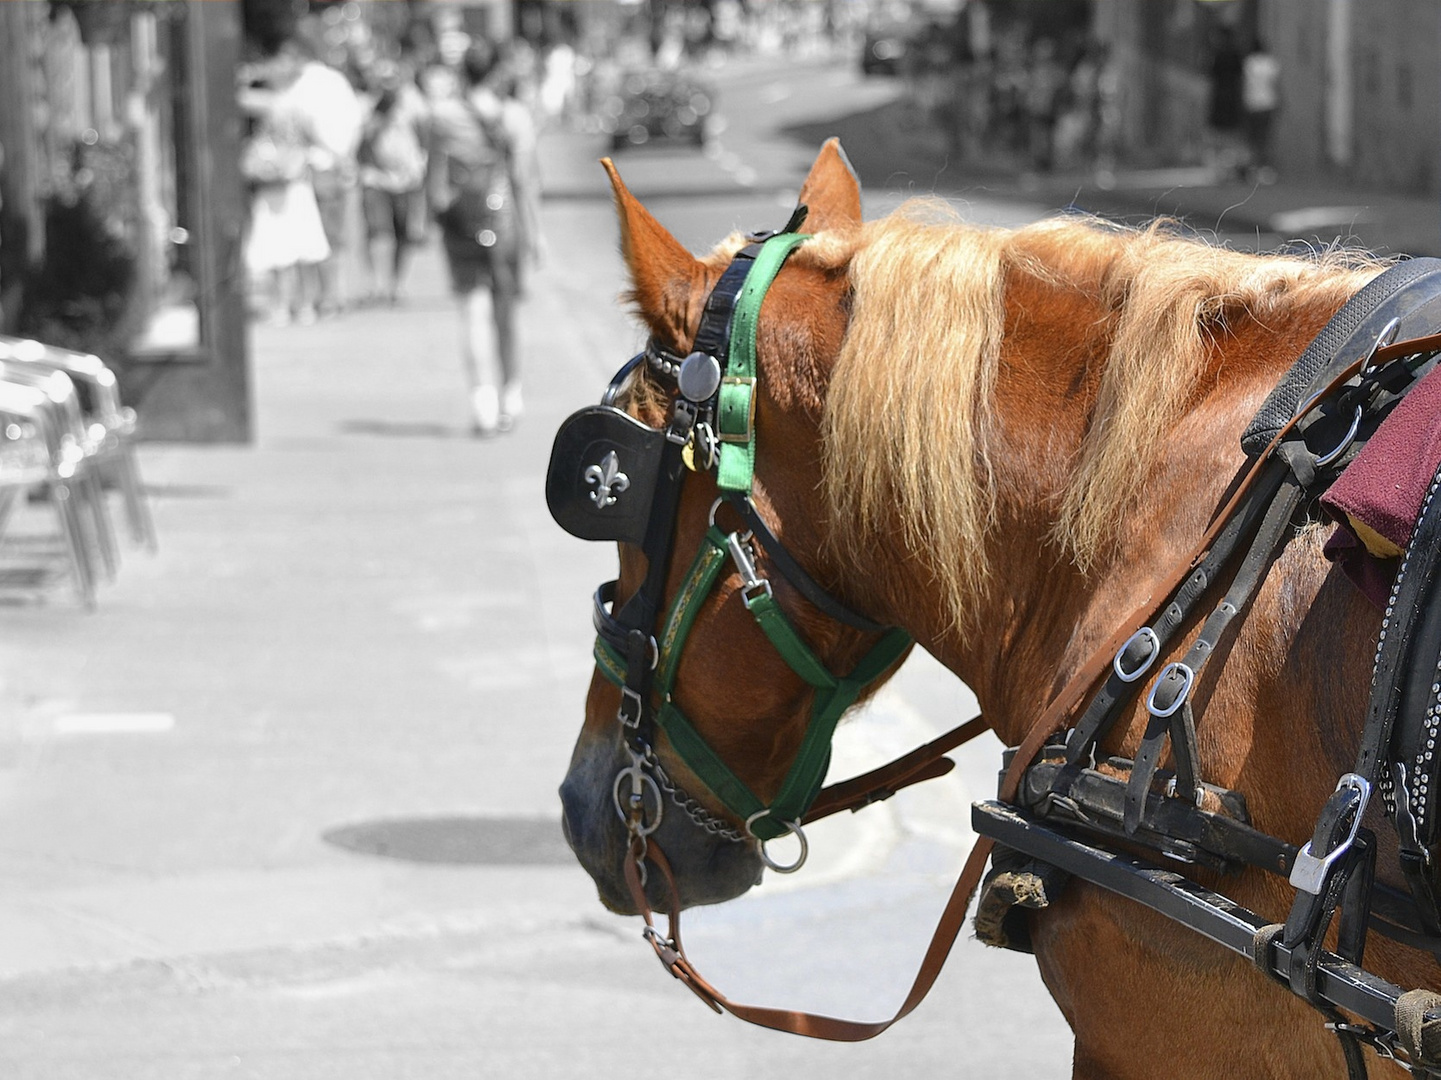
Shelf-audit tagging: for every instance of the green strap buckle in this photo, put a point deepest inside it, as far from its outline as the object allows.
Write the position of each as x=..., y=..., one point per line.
x=736, y=411
x=735, y=420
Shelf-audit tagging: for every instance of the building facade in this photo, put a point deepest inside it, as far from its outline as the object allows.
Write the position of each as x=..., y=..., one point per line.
x=122, y=210
x=1360, y=89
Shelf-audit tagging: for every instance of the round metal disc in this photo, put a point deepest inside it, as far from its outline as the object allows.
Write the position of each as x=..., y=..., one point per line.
x=700, y=377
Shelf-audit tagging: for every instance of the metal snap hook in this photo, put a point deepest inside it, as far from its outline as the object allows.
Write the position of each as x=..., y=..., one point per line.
x=791, y=826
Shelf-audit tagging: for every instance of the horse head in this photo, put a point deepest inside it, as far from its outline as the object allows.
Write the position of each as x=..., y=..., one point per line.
x=723, y=754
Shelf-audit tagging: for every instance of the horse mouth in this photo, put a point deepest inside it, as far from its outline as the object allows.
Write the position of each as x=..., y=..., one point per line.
x=708, y=869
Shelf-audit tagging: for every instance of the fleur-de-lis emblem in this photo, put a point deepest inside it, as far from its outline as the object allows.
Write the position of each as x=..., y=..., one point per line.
x=609, y=481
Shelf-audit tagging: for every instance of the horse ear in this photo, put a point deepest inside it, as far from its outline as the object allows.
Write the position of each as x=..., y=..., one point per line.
x=831, y=191
x=664, y=275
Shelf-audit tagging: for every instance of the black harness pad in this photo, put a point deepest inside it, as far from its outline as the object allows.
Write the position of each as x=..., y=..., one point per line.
x=1406, y=291
x=603, y=470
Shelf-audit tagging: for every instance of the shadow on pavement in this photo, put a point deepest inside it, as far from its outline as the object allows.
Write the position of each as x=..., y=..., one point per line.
x=402, y=429
x=467, y=841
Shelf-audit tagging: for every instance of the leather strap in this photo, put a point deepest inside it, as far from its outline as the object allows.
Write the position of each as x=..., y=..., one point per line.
x=922, y=763
x=1175, y=721
x=796, y=574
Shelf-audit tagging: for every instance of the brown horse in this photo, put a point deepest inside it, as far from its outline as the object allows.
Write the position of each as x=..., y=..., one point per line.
x=1002, y=441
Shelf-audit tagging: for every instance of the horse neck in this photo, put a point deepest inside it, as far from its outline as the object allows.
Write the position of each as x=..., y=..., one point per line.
x=1042, y=616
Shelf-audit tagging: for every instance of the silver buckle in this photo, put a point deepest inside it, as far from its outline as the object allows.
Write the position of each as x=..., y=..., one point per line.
x=629, y=695
x=1309, y=872
x=632, y=806
x=1187, y=674
x=794, y=828
x=1344, y=444
x=1145, y=633
x=1384, y=338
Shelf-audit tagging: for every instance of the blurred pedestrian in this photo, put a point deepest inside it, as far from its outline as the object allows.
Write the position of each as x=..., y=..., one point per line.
x=1077, y=116
x=1046, y=82
x=1261, y=96
x=286, y=239
x=1109, y=88
x=392, y=160
x=558, y=84
x=331, y=112
x=484, y=191
x=1224, y=108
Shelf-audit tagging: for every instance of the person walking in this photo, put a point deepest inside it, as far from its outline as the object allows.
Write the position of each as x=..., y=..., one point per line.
x=1261, y=96
x=484, y=193
x=331, y=112
x=286, y=241
x=1224, y=110
x=392, y=178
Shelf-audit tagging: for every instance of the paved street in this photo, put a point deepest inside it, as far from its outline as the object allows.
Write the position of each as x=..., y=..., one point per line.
x=284, y=806
x=364, y=633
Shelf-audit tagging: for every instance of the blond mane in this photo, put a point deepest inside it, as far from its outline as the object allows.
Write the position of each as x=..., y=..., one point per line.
x=909, y=424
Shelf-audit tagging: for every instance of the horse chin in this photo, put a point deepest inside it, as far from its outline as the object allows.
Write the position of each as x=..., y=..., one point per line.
x=708, y=869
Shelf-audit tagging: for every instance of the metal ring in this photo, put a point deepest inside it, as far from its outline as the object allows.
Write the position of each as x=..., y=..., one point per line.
x=745, y=537
x=794, y=828
x=620, y=379
x=1344, y=444
x=1145, y=633
x=637, y=786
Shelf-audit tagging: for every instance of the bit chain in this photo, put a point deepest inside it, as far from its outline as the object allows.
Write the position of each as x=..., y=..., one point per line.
x=693, y=809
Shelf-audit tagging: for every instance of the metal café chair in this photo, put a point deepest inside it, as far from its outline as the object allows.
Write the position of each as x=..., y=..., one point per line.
x=36, y=452
x=111, y=424
x=75, y=441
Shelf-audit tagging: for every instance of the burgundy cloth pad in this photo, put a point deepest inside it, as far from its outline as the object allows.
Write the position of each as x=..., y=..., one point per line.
x=1378, y=497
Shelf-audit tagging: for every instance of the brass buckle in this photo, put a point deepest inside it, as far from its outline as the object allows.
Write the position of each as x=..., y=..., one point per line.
x=725, y=436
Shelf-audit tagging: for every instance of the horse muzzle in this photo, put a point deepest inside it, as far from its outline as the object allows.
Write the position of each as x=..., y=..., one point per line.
x=708, y=868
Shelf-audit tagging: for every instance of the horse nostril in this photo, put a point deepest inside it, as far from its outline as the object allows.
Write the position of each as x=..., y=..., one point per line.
x=572, y=816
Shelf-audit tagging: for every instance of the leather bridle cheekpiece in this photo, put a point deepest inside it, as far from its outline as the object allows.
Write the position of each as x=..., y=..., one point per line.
x=603, y=458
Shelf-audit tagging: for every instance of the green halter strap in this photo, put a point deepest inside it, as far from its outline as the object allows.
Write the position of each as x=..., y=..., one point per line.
x=736, y=402
x=834, y=694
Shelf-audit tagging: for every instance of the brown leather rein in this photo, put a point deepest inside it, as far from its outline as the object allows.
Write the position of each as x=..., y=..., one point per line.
x=927, y=762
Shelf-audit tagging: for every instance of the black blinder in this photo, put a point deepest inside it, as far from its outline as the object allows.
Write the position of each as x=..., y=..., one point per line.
x=603, y=471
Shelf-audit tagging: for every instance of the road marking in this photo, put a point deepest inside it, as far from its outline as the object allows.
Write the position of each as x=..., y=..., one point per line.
x=151, y=723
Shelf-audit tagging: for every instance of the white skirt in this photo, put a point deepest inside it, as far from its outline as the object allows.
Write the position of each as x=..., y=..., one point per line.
x=285, y=228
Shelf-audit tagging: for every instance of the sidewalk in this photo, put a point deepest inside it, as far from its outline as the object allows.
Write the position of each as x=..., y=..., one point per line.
x=368, y=617
x=365, y=614
x=891, y=146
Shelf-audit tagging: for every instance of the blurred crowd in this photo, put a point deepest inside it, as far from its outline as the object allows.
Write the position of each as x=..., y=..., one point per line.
x=1045, y=102
x=1039, y=103
x=336, y=155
